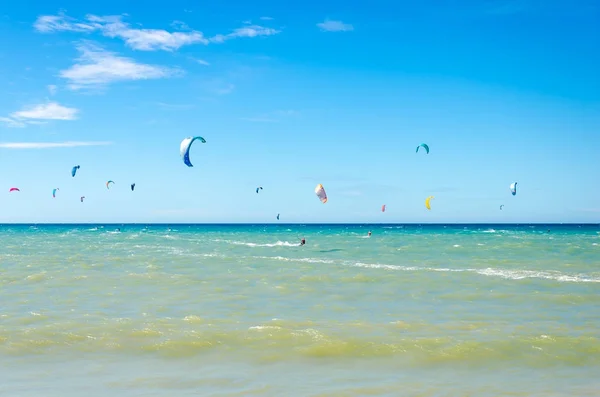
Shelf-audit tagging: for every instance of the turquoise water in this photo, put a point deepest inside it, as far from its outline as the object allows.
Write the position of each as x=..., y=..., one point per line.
x=239, y=310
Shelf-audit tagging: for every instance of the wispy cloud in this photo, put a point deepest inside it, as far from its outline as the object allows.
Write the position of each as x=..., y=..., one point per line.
x=47, y=111
x=53, y=23
x=148, y=39
x=12, y=123
x=334, y=26
x=266, y=18
x=245, y=31
x=49, y=145
x=272, y=117
x=37, y=114
x=142, y=39
x=52, y=89
x=202, y=62
x=180, y=25
x=98, y=67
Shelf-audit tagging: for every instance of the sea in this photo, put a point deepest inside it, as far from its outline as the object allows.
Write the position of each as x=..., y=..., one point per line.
x=244, y=310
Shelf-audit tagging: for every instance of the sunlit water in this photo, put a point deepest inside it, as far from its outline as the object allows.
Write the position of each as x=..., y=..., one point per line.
x=481, y=310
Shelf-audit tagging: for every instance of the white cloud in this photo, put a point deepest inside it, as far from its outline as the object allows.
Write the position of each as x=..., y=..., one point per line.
x=98, y=67
x=142, y=39
x=266, y=18
x=52, y=89
x=50, y=145
x=180, y=25
x=38, y=113
x=246, y=31
x=47, y=111
x=12, y=123
x=149, y=39
x=334, y=26
x=202, y=62
x=52, y=23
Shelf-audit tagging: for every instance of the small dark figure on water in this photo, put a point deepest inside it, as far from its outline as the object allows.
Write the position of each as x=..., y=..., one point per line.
x=302, y=241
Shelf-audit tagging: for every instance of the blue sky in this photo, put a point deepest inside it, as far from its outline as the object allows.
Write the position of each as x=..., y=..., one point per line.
x=291, y=96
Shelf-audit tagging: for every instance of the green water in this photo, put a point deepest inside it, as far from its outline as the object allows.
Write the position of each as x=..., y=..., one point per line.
x=482, y=310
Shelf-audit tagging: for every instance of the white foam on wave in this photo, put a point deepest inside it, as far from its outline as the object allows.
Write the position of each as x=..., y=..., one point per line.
x=264, y=327
x=517, y=274
x=405, y=268
x=549, y=275
x=504, y=273
x=286, y=259
x=249, y=244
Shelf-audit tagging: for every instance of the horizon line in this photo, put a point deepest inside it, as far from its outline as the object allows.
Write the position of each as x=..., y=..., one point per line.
x=299, y=223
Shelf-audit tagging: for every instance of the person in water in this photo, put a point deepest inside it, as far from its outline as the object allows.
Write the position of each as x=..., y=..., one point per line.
x=302, y=241
x=369, y=234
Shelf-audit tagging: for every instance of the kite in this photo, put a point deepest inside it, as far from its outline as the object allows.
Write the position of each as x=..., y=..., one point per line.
x=184, y=148
x=320, y=192
x=424, y=146
x=427, y=200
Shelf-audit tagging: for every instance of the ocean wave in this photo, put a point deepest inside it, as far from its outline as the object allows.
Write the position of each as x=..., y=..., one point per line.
x=193, y=336
x=249, y=244
x=504, y=273
x=513, y=274
x=304, y=260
